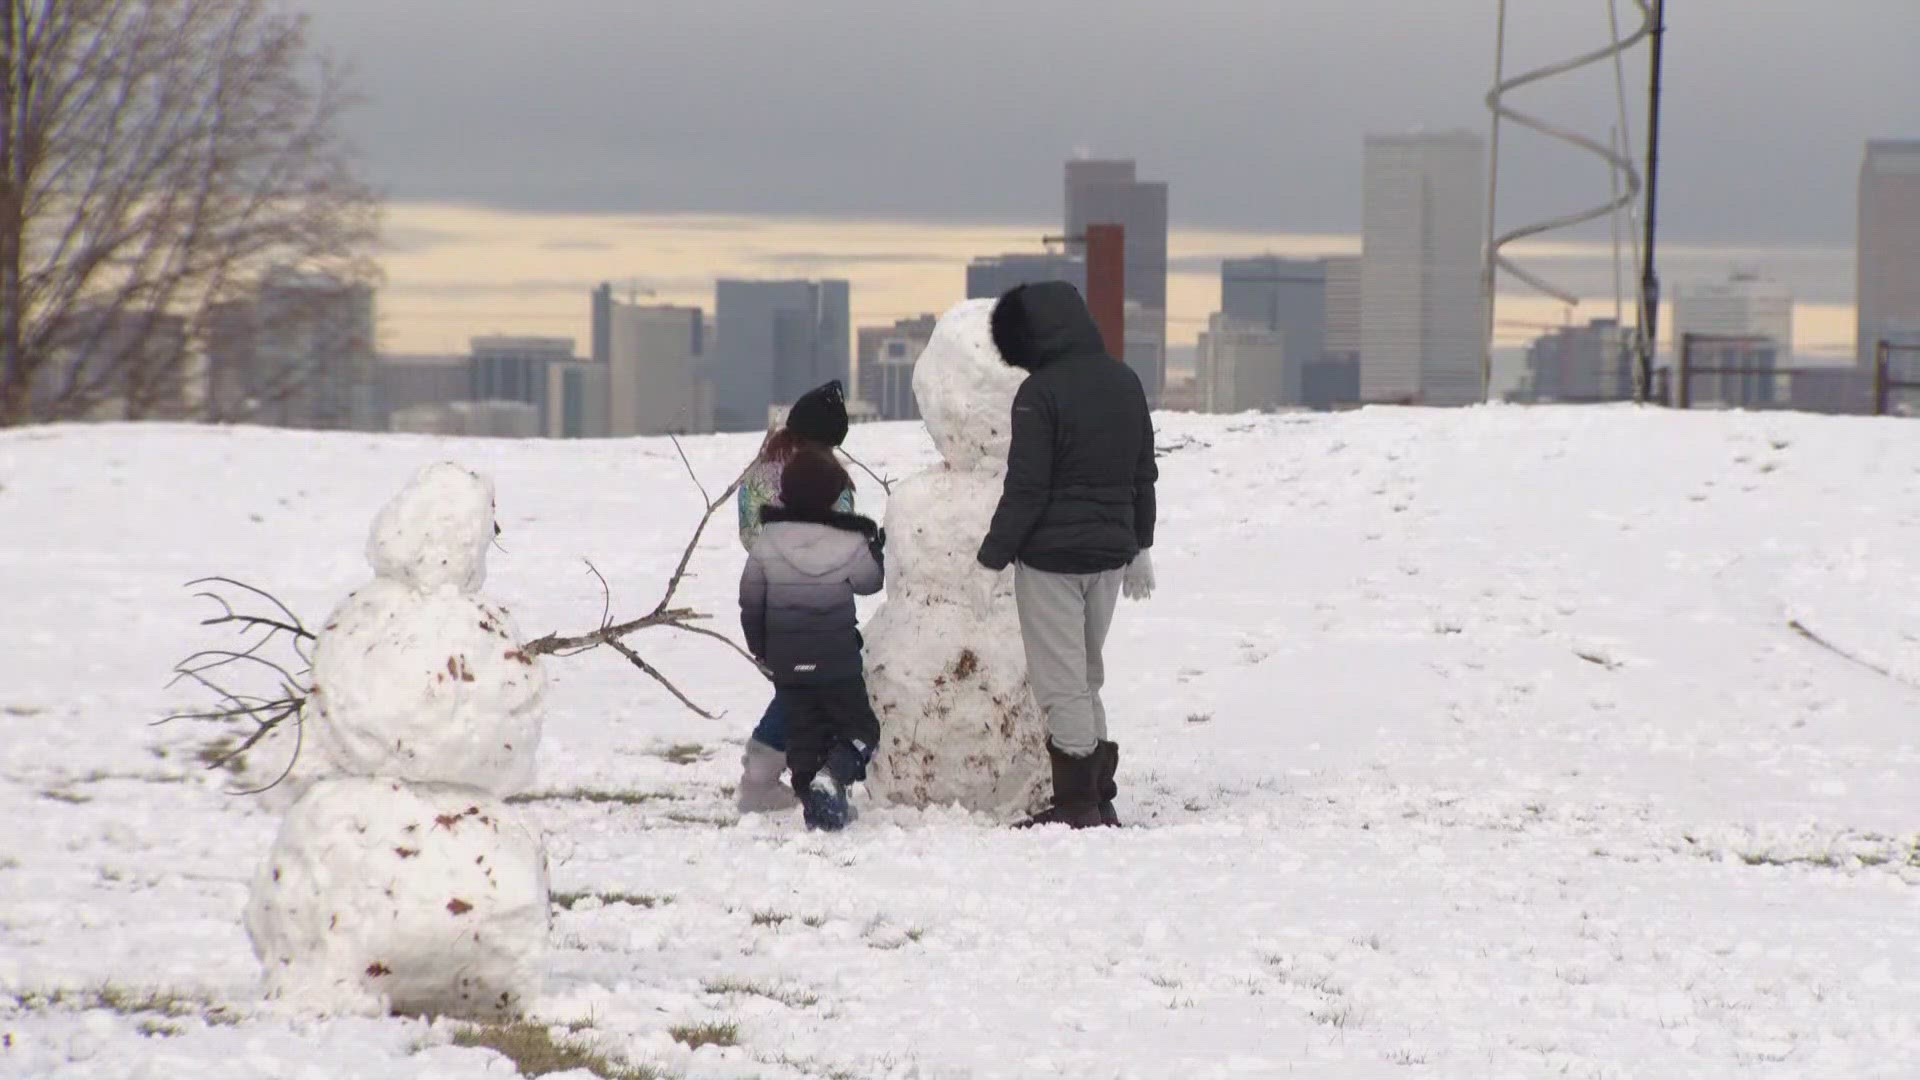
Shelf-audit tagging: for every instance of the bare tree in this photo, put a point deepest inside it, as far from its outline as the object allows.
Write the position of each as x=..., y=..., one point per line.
x=158, y=158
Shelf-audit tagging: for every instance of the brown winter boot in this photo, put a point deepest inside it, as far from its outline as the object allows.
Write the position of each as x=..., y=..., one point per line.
x=1076, y=792
x=1108, y=754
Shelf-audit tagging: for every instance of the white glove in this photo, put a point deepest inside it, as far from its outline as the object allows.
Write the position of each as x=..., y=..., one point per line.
x=1137, y=584
x=985, y=587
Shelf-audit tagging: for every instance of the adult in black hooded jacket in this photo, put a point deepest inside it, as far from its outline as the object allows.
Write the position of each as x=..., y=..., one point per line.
x=1077, y=517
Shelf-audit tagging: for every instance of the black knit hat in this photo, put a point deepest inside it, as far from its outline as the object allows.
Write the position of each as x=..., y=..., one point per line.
x=820, y=415
x=812, y=482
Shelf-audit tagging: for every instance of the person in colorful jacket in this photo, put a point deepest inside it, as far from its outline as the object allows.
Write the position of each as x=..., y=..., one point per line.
x=816, y=422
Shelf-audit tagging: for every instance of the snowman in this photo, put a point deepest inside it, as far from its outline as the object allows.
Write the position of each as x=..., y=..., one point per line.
x=949, y=682
x=403, y=882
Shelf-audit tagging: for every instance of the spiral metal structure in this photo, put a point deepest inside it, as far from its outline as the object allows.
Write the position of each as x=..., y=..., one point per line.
x=1628, y=180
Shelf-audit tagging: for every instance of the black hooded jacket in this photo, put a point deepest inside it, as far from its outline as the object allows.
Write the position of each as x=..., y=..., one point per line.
x=1079, y=492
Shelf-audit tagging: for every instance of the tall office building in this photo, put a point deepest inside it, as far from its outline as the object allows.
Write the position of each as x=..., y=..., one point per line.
x=1745, y=306
x=775, y=341
x=405, y=382
x=503, y=368
x=1422, y=319
x=655, y=364
x=993, y=276
x=1889, y=247
x=1286, y=296
x=1111, y=193
x=884, y=363
x=602, y=313
x=299, y=352
x=1243, y=367
x=1579, y=364
x=1342, y=320
x=577, y=400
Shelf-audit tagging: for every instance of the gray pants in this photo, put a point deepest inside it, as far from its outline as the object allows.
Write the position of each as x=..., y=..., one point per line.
x=1063, y=623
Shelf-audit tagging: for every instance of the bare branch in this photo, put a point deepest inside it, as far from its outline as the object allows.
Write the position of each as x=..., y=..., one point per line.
x=269, y=711
x=886, y=485
x=1816, y=638
x=622, y=648
x=606, y=594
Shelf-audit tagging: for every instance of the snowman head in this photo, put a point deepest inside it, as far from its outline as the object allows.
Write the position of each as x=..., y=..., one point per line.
x=434, y=534
x=965, y=390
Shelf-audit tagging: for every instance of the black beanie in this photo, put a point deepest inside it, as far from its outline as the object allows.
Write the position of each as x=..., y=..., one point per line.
x=820, y=415
x=812, y=482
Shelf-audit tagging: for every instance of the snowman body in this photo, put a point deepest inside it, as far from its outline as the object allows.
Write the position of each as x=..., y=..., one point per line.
x=958, y=721
x=403, y=881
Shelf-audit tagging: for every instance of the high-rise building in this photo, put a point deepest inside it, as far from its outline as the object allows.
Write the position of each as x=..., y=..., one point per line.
x=299, y=352
x=1111, y=193
x=602, y=330
x=991, y=277
x=775, y=341
x=577, y=400
x=1287, y=296
x=1743, y=306
x=403, y=382
x=1342, y=340
x=884, y=362
x=1242, y=367
x=515, y=369
x=108, y=364
x=1889, y=246
x=1579, y=364
x=656, y=356
x=1422, y=320
x=474, y=419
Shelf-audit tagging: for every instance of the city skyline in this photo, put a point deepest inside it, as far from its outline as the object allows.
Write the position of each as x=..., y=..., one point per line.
x=1265, y=134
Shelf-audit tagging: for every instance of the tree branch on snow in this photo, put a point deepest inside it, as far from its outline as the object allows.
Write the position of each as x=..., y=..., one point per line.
x=682, y=619
x=1817, y=639
x=216, y=669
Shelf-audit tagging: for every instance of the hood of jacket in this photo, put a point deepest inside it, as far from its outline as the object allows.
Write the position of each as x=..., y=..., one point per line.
x=1035, y=325
x=815, y=549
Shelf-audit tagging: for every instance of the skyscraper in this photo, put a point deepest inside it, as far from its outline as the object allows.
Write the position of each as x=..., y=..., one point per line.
x=506, y=368
x=602, y=340
x=1286, y=296
x=655, y=356
x=883, y=372
x=299, y=352
x=1243, y=366
x=992, y=276
x=1422, y=319
x=1745, y=305
x=1889, y=245
x=1110, y=193
x=776, y=341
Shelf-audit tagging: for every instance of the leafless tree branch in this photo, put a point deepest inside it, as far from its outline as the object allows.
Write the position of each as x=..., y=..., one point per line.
x=683, y=619
x=886, y=485
x=266, y=711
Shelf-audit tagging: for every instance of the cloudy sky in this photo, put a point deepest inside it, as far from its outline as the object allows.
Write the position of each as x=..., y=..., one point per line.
x=1252, y=109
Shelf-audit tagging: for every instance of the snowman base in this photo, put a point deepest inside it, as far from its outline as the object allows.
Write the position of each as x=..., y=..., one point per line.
x=958, y=725
x=386, y=896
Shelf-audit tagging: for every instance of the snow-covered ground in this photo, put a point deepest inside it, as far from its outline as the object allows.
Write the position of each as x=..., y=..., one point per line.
x=1455, y=744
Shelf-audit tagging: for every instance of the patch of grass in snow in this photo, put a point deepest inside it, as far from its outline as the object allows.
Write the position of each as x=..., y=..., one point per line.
x=1165, y=982
x=811, y=1067
x=22, y=710
x=1200, y=718
x=683, y=817
x=567, y=900
x=8, y=862
x=792, y=999
x=596, y=795
x=685, y=753
x=1406, y=1057
x=710, y=1033
x=534, y=1051
x=1342, y=1015
x=128, y=1001
x=770, y=918
x=158, y=1029
x=814, y=922
x=219, y=754
x=62, y=795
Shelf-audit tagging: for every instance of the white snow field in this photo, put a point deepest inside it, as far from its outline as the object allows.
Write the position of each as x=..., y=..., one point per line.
x=1455, y=744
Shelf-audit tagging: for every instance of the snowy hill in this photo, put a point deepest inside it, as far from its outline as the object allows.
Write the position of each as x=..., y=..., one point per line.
x=1458, y=744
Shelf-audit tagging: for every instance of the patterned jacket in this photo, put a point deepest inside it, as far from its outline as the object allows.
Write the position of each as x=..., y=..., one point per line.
x=796, y=594
x=760, y=489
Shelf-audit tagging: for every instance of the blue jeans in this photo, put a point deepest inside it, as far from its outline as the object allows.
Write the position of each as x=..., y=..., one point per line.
x=772, y=729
